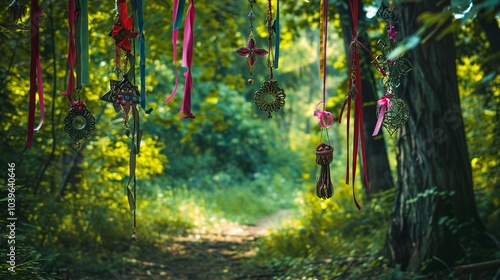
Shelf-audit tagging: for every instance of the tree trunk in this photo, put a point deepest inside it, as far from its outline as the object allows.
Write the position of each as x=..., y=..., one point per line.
x=379, y=171
x=435, y=217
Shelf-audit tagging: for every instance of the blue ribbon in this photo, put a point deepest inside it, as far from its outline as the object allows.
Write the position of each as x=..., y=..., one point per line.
x=142, y=53
x=277, y=32
x=180, y=14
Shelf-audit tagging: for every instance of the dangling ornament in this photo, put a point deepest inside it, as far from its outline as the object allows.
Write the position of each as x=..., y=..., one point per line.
x=125, y=97
x=251, y=51
x=324, y=152
x=324, y=156
x=270, y=97
x=17, y=10
x=79, y=121
x=392, y=112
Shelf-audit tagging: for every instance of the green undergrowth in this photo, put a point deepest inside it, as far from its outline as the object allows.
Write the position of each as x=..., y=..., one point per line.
x=330, y=238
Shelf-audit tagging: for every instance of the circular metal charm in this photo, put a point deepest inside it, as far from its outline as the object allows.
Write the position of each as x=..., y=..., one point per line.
x=395, y=116
x=79, y=122
x=270, y=97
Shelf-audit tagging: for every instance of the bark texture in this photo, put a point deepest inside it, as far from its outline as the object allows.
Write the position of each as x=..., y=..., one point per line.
x=435, y=214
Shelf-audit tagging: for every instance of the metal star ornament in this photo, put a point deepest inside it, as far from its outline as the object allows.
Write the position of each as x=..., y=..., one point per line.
x=122, y=94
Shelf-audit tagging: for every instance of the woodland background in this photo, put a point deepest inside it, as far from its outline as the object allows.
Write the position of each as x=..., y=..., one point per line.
x=234, y=166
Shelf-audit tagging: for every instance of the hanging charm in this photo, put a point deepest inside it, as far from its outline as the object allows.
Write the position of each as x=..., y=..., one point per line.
x=125, y=96
x=392, y=112
x=394, y=116
x=324, y=156
x=17, y=10
x=270, y=97
x=79, y=122
x=251, y=50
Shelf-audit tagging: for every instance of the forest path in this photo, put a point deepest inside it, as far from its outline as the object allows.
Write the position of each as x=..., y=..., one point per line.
x=222, y=253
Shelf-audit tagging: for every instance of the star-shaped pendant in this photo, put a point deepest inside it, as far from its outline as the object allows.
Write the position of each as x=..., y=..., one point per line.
x=122, y=94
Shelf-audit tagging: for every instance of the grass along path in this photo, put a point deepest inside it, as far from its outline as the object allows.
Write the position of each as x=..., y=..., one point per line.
x=223, y=253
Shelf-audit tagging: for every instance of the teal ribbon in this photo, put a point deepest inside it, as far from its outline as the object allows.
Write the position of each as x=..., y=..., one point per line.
x=84, y=42
x=142, y=54
x=180, y=14
x=277, y=32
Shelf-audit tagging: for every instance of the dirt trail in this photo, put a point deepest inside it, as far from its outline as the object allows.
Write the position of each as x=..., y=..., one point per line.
x=222, y=253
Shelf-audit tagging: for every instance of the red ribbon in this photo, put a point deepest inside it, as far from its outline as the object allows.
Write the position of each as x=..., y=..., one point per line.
x=71, y=53
x=187, y=57
x=384, y=104
x=355, y=93
x=35, y=74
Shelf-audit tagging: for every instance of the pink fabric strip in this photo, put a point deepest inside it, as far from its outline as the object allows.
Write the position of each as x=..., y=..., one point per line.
x=187, y=61
x=384, y=104
x=175, y=35
x=35, y=72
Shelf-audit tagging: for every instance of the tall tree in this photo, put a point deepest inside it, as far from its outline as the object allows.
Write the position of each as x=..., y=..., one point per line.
x=435, y=216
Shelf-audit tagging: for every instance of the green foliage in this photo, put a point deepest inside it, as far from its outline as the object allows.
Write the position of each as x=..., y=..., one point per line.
x=229, y=165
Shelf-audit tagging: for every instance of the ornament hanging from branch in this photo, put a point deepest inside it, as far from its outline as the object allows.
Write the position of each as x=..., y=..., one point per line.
x=270, y=97
x=251, y=51
x=125, y=96
x=17, y=10
x=324, y=152
x=79, y=121
x=392, y=112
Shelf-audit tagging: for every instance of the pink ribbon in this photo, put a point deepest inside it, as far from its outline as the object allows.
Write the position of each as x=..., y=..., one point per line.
x=35, y=75
x=384, y=104
x=323, y=116
x=187, y=57
x=175, y=35
x=187, y=61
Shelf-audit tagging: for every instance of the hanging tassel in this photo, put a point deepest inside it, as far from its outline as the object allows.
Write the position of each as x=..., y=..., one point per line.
x=324, y=156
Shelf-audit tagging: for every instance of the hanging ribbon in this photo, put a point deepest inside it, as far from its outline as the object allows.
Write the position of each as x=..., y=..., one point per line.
x=178, y=13
x=355, y=93
x=384, y=103
x=187, y=53
x=277, y=32
x=84, y=42
x=325, y=117
x=71, y=53
x=175, y=35
x=187, y=61
x=35, y=74
x=142, y=53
